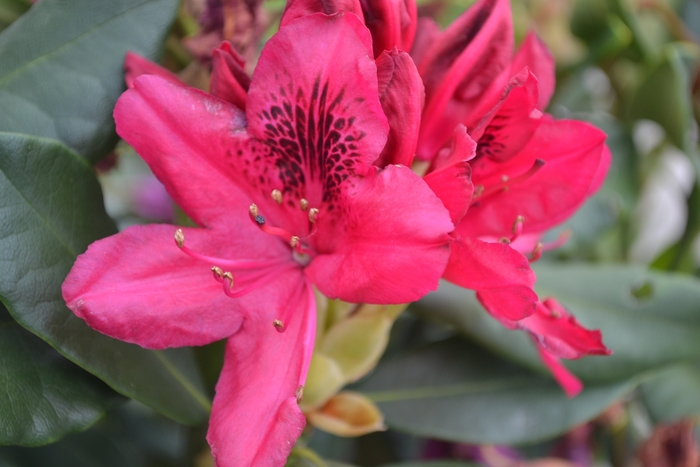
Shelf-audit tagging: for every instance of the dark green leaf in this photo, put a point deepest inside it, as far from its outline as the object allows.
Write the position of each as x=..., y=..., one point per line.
x=62, y=67
x=659, y=326
x=673, y=393
x=50, y=211
x=43, y=396
x=457, y=391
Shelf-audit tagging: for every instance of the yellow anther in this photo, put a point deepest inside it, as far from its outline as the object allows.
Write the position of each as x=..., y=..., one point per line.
x=277, y=196
x=313, y=214
x=299, y=394
x=218, y=272
x=294, y=241
x=303, y=204
x=253, y=210
x=179, y=238
x=278, y=324
x=229, y=276
x=517, y=224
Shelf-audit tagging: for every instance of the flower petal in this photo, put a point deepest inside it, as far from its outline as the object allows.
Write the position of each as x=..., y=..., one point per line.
x=501, y=276
x=463, y=72
x=313, y=107
x=451, y=180
x=386, y=247
x=299, y=8
x=137, y=286
x=572, y=152
x=569, y=383
x=401, y=95
x=184, y=135
x=511, y=124
x=560, y=334
x=229, y=80
x=135, y=65
x=391, y=22
x=255, y=418
x=534, y=54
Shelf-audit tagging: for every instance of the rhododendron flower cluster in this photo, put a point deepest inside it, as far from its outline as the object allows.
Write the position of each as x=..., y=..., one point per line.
x=301, y=178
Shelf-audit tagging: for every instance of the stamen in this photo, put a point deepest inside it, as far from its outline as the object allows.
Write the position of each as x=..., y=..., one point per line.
x=277, y=196
x=294, y=241
x=506, y=181
x=253, y=209
x=229, y=276
x=303, y=204
x=179, y=238
x=218, y=272
x=299, y=394
x=517, y=228
x=313, y=214
x=536, y=252
x=478, y=191
x=560, y=241
x=231, y=264
x=256, y=282
x=281, y=323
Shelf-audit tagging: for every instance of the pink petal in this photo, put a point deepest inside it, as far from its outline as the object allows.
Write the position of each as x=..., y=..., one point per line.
x=392, y=23
x=229, y=80
x=401, y=95
x=602, y=171
x=535, y=55
x=299, y=8
x=501, y=276
x=388, y=247
x=511, y=124
x=255, y=419
x=314, y=107
x=463, y=72
x=560, y=334
x=427, y=33
x=572, y=152
x=450, y=180
x=138, y=286
x=135, y=65
x=569, y=383
x=186, y=136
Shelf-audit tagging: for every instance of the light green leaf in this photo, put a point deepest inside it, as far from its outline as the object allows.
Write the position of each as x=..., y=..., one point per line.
x=62, y=67
x=50, y=211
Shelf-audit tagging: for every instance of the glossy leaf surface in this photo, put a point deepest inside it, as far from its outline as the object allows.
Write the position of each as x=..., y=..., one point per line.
x=50, y=211
x=64, y=86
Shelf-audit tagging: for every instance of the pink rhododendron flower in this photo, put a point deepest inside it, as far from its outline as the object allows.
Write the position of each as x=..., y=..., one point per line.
x=287, y=198
x=506, y=171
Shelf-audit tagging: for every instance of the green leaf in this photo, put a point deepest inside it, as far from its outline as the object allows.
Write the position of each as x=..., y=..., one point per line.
x=62, y=67
x=658, y=326
x=10, y=10
x=50, y=211
x=456, y=391
x=673, y=393
x=43, y=396
x=664, y=97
